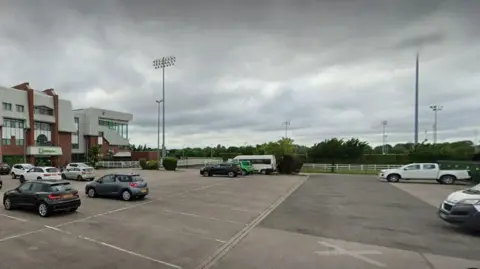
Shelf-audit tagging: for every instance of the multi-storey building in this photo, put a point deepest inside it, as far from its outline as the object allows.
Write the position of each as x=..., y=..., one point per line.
x=105, y=128
x=39, y=127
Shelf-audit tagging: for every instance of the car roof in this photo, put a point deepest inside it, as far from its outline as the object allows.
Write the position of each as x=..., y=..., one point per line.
x=125, y=174
x=51, y=182
x=45, y=167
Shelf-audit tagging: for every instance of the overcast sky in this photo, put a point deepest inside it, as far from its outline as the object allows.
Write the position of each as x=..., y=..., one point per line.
x=333, y=68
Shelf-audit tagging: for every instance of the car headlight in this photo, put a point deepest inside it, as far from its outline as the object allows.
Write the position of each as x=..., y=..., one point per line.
x=470, y=202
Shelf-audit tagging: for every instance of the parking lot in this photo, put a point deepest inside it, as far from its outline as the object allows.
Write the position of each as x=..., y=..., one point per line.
x=284, y=222
x=183, y=221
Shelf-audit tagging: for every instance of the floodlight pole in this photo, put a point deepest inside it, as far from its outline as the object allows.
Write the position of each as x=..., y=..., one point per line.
x=435, y=109
x=159, y=102
x=162, y=63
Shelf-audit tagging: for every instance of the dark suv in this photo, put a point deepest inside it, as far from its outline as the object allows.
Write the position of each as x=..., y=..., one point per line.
x=4, y=169
x=224, y=169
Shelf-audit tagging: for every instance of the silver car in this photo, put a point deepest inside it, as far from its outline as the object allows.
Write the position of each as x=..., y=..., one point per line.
x=79, y=173
x=126, y=186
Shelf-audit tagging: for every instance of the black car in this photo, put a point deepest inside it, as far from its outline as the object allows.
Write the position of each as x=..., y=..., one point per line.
x=224, y=169
x=4, y=169
x=43, y=196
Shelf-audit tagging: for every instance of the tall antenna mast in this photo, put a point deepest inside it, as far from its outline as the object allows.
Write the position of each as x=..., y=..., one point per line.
x=384, y=137
x=286, y=124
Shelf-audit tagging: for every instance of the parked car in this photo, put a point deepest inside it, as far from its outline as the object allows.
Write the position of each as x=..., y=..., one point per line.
x=41, y=172
x=43, y=196
x=224, y=169
x=126, y=186
x=4, y=169
x=462, y=208
x=245, y=166
x=79, y=173
x=20, y=168
x=1, y=183
x=75, y=165
x=424, y=171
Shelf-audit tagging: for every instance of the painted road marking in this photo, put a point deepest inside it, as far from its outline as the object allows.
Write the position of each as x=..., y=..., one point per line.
x=336, y=250
x=14, y=218
x=202, y=216
x=115, y=247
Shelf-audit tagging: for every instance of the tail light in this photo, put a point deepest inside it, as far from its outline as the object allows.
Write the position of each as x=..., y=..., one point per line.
x=133, y=184
x=53, y=197
x=75, y=193
x=47, y=175
x=83, y=173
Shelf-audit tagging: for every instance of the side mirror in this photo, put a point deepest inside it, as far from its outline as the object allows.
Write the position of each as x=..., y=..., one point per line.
x=405, y=169
x=99, y=181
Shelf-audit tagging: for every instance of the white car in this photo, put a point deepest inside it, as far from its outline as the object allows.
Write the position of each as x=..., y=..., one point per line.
x=19, y=169
x=79, y=173
x=424, y=171
x=77, y=165
x=462, y=208
x=41, y=172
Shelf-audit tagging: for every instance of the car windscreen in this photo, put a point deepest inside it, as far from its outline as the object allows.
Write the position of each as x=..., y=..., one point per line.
x=52, y=170
x=60, y=187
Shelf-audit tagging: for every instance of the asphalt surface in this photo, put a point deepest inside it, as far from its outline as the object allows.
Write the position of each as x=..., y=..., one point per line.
x=181, y=224
x=355, y=222
x=361, y=209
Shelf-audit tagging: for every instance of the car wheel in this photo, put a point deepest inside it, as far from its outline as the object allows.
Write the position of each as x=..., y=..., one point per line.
x=7, y=203
x=43, y=210
x=91, y=193
x=80, y=178
x=393, y=178
x=22, y=179
x=14, y=176
x=206, y=174
x=39, y=178
x=63, y=176
x=126, y=195
x=447, y=179
x=231, y=174
x=73, y=209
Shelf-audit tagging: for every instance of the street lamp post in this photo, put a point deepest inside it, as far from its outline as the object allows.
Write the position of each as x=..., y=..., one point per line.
x=162, y=63
x=159, y=102
x=435, y=109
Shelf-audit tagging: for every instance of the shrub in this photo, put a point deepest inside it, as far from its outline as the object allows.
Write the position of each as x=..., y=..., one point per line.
x=289, y=165
x=143, y=163
x=151, y=165
x=170, y=163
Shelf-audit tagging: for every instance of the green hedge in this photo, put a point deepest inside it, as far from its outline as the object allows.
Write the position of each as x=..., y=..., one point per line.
x=170, y=164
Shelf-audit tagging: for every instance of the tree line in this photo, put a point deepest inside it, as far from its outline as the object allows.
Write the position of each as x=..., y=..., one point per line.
x=337, y=150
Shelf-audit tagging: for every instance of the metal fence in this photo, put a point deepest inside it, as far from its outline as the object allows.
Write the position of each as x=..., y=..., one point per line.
x=349, y=167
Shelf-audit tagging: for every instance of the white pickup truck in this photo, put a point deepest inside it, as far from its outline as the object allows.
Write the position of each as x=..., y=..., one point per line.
x=424, y=171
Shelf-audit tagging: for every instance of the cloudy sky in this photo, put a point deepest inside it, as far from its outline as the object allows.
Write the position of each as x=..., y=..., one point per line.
x=331, y=68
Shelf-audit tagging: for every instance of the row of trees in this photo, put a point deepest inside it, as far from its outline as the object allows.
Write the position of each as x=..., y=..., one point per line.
x=336, y=151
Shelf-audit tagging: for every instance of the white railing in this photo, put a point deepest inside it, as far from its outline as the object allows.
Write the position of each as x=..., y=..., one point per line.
x=350, y=167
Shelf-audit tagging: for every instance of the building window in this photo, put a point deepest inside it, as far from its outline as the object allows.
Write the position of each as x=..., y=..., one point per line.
x=15, y=128
x=40, y=110
x=75, y=134
x=20, y=108
x=43, y=134
x=100, y=138
x=120, y=128
x=7, y=106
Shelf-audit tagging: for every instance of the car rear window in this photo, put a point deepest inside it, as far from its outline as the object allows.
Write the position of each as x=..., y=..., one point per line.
x=59, y=187
x=87, y=169
x=137, y=178
x=52, y=170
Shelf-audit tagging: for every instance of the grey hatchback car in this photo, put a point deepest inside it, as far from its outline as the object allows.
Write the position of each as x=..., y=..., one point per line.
x=126, y=186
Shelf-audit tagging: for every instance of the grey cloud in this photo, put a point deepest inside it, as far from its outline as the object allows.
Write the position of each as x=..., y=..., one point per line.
x=243, y=67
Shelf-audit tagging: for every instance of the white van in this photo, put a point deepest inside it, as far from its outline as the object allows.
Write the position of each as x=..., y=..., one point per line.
x=265, y=164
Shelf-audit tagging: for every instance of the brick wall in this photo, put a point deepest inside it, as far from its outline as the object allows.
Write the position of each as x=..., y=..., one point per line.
x=147, y=155
x=65, y=142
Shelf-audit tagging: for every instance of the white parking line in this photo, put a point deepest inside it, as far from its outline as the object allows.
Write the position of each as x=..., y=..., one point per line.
x=14, y=218
x=116, y=248
x=20, y=235
x=201, y=216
